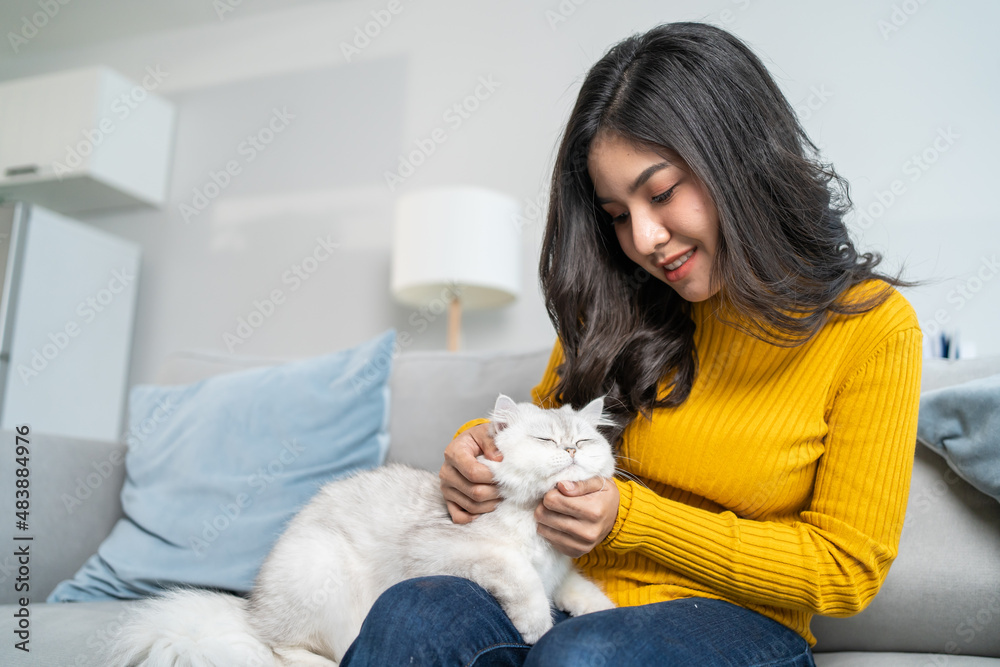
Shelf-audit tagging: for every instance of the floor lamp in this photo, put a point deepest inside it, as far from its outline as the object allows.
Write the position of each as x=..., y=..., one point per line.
x=453, y=248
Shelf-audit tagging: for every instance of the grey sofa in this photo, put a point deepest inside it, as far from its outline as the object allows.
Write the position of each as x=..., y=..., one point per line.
x=940, y=604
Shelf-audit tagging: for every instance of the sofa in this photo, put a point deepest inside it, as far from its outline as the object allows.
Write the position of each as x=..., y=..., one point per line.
x=940, y=604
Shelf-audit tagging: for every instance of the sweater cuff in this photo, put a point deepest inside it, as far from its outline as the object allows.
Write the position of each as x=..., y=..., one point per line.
x=624, y=505
x=469, y=424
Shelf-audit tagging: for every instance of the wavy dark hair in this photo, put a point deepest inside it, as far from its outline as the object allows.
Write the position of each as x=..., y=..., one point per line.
x=693, y=92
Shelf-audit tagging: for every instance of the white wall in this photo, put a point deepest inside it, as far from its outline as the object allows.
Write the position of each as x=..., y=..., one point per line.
x=878, y=97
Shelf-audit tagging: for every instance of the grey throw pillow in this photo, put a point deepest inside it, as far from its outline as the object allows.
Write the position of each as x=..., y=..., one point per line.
x=962, y=424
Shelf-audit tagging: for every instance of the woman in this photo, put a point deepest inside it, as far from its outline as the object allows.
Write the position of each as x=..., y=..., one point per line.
x=698, y=272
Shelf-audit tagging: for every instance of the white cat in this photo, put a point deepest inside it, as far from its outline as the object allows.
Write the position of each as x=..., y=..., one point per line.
x=360, y=535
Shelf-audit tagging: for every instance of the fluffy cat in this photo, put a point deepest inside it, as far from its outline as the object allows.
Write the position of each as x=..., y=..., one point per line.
x=360, y=535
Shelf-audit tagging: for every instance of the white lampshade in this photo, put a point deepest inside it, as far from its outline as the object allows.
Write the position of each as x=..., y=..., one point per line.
x=462, y=239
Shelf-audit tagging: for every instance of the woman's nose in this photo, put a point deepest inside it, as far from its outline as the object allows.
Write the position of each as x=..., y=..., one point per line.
x=648, y=234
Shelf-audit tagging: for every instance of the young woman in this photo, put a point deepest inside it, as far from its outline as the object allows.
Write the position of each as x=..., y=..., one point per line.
x=698, y=272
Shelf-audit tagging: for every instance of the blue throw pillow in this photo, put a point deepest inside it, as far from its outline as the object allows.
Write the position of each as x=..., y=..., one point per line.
x=962, y=424
x=218, y=467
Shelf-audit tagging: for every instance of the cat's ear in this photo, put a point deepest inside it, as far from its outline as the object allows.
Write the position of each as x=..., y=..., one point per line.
x=503, y=411
x=594, y=411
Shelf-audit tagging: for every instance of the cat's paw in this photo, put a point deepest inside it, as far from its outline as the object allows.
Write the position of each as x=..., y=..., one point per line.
x=578, y=603
x=531, y=620
x=578, y=596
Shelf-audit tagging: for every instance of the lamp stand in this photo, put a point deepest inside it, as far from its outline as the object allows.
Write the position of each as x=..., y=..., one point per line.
x=454, y=323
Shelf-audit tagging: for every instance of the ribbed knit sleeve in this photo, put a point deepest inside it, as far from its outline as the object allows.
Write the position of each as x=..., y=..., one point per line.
x=469, y=424
x=833, y=557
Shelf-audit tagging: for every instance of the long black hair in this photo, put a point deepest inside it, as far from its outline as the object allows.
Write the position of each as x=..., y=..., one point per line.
x=693, y=92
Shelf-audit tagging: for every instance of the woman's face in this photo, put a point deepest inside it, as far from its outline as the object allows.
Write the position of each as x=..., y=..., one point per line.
x=663, y=216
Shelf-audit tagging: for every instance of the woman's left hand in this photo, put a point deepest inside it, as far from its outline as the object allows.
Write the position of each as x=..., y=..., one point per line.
x=576, y=516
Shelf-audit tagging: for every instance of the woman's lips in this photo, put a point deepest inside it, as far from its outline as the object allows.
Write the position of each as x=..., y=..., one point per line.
x=681, y=271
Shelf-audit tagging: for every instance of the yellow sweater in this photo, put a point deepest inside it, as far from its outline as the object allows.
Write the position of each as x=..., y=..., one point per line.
x=781, y=483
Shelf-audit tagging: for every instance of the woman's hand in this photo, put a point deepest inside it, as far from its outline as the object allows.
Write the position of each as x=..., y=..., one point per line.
x=576, y=516
x=467, y=485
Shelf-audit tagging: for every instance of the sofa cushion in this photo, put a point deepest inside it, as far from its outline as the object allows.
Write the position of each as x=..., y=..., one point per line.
x=962, y=424
x=226, y=461
x=433, y=393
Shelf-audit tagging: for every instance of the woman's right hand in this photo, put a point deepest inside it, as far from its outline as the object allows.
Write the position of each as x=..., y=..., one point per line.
x=467, y=485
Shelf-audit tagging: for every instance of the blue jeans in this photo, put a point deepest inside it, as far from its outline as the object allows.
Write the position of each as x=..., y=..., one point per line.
x=453, y=622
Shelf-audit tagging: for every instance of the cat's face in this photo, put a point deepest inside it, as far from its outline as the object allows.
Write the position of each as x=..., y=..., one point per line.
x=542, y=447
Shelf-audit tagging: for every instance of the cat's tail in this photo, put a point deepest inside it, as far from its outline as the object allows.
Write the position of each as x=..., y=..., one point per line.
x=189, y=627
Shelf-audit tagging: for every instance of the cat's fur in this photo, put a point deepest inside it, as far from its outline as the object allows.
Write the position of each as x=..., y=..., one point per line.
x=359, y=536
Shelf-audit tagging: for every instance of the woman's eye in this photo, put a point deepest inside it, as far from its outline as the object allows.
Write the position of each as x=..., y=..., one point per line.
x=660, y=198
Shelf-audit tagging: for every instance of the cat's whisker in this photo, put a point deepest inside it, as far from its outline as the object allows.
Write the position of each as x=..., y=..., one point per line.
x=631, y=476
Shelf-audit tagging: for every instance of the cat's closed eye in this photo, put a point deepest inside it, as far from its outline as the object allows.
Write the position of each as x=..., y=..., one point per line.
x=541, y=439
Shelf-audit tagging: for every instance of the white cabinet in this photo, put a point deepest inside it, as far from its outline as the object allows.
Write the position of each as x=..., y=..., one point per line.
x=67, y=308
x=85, y=140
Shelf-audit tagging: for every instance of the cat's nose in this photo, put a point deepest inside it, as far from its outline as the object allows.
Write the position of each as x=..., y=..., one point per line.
x=571, y=451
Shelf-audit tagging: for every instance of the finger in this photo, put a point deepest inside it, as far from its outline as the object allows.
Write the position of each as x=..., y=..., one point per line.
x=564, y=543
x=468, y=504
x=555, y=520
x=592, y=485
x=489, y=447
x=587, y=508
x=458, y=515
x=578, y=534
x=479, y=493
x=572, y=506
x=465, y=464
